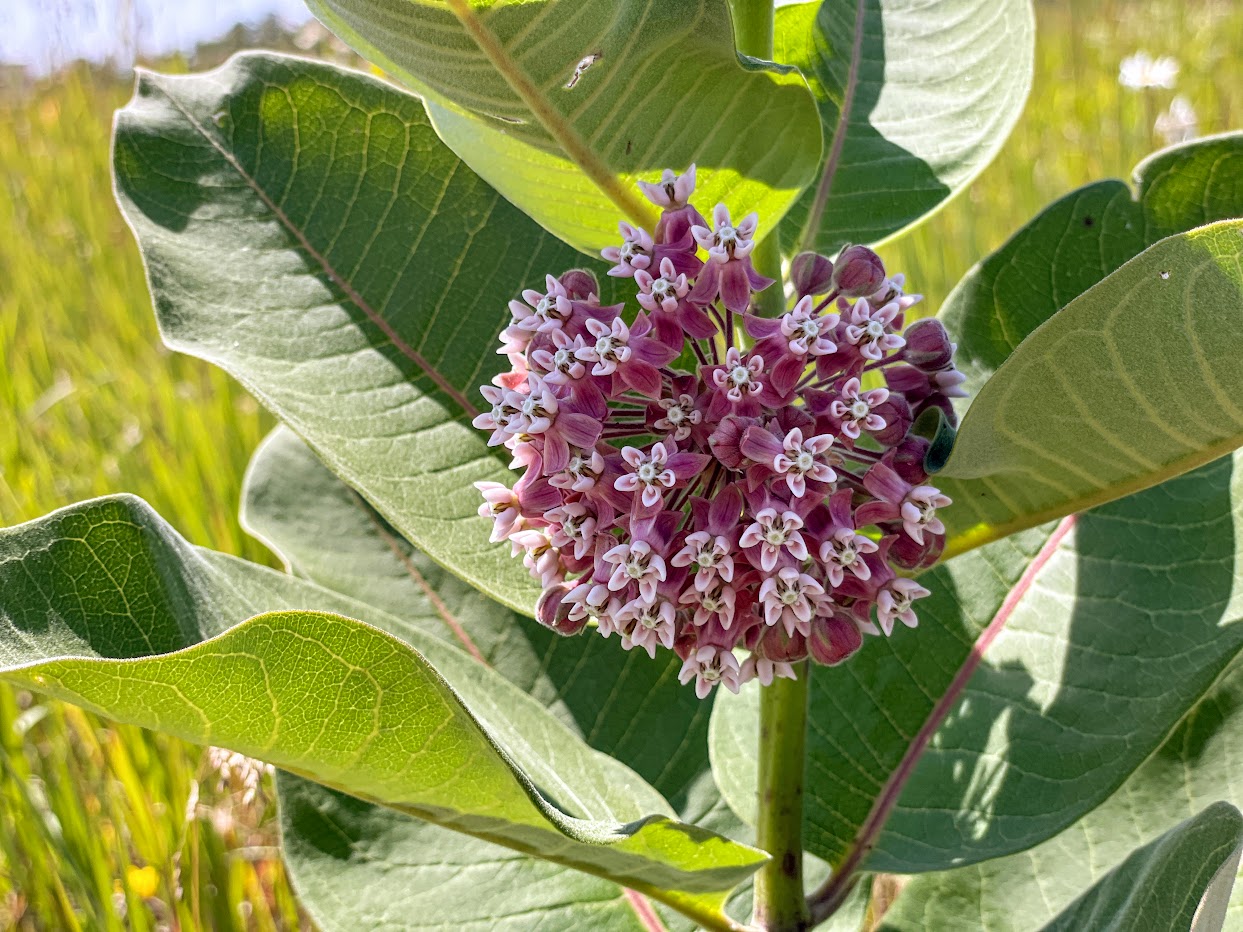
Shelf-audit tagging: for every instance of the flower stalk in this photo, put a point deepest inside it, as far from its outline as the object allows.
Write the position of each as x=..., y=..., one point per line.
x=779, y=902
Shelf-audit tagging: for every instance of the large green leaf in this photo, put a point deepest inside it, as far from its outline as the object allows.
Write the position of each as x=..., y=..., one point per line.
x=1079, y=239
x=1071, y=622
x=1046, y=668
x=344, y=854
x=915, y=99
x=1196, y=766
x=620, y=702
x=357, y=865
x=1062, y=253
x=304, y=229
x=103, y=604
x=1136, y=380
x=1161, y=885
x=659, y=86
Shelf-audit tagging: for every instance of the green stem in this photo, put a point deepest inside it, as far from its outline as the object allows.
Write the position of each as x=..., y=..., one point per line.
x=753, y=35
x=779, y=902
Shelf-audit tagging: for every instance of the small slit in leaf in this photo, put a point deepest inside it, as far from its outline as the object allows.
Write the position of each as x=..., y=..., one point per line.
x=581, y=68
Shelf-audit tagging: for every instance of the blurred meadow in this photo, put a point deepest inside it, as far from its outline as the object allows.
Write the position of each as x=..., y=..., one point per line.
x=111, y=827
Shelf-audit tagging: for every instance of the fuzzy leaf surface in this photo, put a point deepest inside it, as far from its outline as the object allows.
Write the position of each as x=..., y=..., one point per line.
x=304, y=229
x=103, y=604
x=1161, y=886
x=915, y=99
x=659, y=85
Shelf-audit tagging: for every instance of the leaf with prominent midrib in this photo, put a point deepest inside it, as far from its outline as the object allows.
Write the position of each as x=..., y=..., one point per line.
x=304, y=229
x=1134, y=381
x=914, y=98
x=104, y=605
x=621, y=702
x=659, y=85
x=930, y=749
x=1096, y=641
x=1196, y=766
x=1071, y=246
x=1162, y=885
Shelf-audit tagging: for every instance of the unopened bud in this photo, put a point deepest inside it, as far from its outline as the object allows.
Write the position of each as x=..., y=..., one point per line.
x=898, y=418
x=907, y=460
x=833, y=639
x=907, y=554
x=580, y=284
x=774, y=644
x=858, y=272
x=811, y=274
x=928, y=345
x=552, y=612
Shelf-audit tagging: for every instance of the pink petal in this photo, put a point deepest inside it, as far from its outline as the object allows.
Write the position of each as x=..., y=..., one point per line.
x=643, y=377
x=582, y=430
x=735, y=286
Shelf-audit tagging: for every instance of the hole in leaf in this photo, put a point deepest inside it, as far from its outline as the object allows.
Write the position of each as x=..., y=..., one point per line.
x=581, y=68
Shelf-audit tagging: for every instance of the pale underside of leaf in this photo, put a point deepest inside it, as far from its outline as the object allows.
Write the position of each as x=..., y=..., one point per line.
x=1130, y=384
x=659, y=85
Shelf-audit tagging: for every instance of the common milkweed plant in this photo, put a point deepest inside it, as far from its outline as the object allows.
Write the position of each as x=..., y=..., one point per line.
x=655, y=558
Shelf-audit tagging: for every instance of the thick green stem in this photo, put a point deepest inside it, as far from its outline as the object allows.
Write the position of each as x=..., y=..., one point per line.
x=753, y=35
x=779, y=902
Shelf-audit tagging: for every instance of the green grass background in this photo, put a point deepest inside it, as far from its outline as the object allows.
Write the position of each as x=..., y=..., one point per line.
x=95, y=828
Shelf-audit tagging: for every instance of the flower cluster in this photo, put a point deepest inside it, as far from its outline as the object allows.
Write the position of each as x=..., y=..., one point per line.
x=743, y=490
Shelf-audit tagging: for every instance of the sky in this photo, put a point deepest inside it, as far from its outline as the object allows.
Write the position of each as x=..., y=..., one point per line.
x=43, y=34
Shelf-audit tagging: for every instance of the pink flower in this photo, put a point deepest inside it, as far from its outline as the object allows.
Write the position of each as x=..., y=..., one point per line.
x=788, y=598
x=672, y=191
x=801, y=460
x=898, y=500
x=680, y=416
x=844, y=547
x=729, y=273
x=692, y=488
x=711, y=555
x=636, y=564
x=718, y=601
x=633, y=254
x=646, y=624
x=542, y=313
x=894, y=602
x=870, y=330
x=708, y=666
x=739, y=379
x=773, y=536
x=855, y=410
x=560, y=363
x=661, y=468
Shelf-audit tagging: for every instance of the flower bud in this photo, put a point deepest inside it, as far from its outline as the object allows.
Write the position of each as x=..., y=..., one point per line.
x=774, y=644
x=897, y=415
x=907, y=459
x=552, y=612
x=858, y=272
x=928, y=346
x=833, y=639
x=579, y=284
x=909, y=555
x=811, y=274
